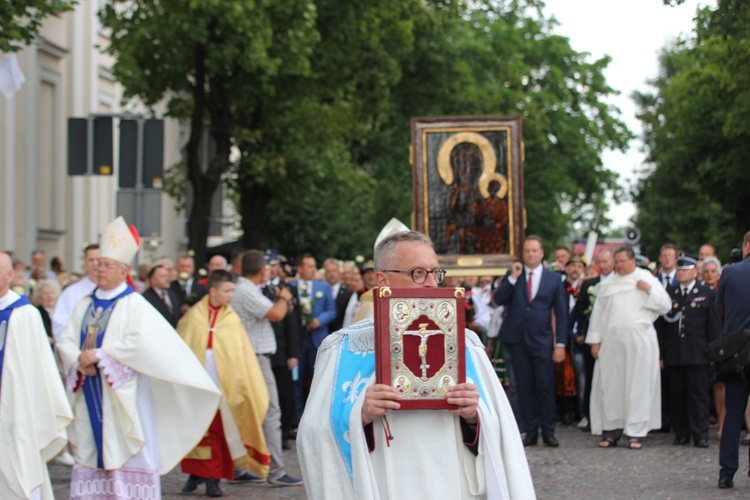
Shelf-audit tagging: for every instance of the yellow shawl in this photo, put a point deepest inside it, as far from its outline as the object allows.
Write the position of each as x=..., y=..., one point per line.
x=241, y=379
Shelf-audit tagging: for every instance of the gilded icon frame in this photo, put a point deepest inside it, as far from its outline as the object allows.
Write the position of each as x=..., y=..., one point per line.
x=477, y=225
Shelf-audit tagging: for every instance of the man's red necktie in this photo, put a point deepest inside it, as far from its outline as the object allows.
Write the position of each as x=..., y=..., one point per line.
x=528, y=284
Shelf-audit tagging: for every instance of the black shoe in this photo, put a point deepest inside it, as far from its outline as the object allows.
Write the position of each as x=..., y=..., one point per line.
x=725, y=483
x=212, y=488
x=285, y=445
x=703, y=443
x=550, y=440
x=530, y=439
x=192, y=484
x=681, y=441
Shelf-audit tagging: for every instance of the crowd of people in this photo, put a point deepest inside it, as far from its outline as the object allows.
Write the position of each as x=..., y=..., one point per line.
x=217, y=369
x=617, y=345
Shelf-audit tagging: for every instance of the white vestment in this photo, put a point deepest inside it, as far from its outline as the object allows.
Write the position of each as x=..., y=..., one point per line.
x=626, y=390
x=67, y=300
x=33, y=408
x=426, y=457
x=157, y=402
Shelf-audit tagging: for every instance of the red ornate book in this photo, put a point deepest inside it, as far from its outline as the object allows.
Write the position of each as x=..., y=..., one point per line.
x=420, y=343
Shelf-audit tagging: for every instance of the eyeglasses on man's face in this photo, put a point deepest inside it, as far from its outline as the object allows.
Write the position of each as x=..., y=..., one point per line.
x=419, y=274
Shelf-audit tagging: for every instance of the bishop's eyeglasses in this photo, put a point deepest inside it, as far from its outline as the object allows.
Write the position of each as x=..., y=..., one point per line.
x=419, y=275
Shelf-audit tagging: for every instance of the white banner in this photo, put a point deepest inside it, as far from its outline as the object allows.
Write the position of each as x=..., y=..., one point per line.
x=11, y=76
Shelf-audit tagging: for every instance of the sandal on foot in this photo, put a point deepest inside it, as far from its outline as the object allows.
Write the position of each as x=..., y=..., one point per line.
x=635, y=443
x=608, y=443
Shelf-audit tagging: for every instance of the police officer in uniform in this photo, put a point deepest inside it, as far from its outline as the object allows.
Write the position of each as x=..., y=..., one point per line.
x=692, y=323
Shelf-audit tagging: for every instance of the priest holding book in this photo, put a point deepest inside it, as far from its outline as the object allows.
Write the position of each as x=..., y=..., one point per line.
x=353, y=443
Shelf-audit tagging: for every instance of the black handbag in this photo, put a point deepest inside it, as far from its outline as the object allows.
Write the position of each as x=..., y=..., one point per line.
x=730, y=357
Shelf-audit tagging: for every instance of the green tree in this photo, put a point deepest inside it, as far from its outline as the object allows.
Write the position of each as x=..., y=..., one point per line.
x=503, y=59
x=697, y=136
x=206, y=58
x=297, y=170
x=21, y=20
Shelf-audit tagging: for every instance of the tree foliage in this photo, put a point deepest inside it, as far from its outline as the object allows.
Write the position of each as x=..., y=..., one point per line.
x=697, y=136
x=21, y=20
x=208, y=58
x=504, y=59
x=296, y=158
x=317, y=95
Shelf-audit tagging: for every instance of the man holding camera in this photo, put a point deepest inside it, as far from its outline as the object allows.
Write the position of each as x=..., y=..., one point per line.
x=256, y=312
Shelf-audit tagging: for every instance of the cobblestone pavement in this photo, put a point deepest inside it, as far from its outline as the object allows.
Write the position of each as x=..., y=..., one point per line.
x=659, y=470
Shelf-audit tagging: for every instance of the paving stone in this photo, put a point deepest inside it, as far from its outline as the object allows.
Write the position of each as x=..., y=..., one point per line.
x=577, y=469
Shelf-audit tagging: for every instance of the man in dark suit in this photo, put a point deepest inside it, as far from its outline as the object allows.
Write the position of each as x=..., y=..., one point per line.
x=667, y=276
x=733, y=303
x=531, y=294
x=605, y=259
x=159, y=295
x=186, y=286
x=341, y=294
x=692, y=323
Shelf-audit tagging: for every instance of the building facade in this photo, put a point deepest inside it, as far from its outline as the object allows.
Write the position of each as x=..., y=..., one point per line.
x=41, y=207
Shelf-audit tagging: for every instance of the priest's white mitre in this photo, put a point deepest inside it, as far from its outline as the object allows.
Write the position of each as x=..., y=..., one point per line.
x=119, y=242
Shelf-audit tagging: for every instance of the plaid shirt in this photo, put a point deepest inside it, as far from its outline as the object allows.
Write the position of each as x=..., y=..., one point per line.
x=252, y=306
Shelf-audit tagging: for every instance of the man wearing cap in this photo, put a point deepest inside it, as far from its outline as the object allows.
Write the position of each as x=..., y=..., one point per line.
x=625, y=394
x=692, y=323
x=33, y=411
x=353, y=444
x=140, y=398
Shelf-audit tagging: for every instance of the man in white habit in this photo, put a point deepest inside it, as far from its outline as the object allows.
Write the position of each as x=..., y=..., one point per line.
x=348, y=448
x=33, y=408
x=626, y=390
x=74, y=292
x=140, y=397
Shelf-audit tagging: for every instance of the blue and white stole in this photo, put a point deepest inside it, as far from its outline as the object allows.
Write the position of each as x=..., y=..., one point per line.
x=355, y=367
x=4, y=319
x=95, y=322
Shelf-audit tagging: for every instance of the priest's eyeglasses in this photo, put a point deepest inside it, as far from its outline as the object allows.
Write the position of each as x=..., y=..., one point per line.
x=419, y=275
